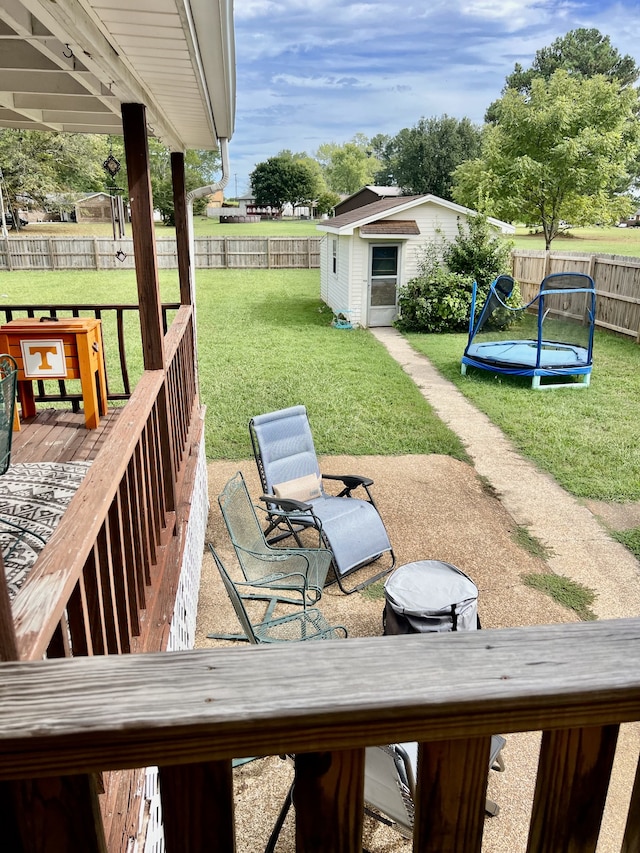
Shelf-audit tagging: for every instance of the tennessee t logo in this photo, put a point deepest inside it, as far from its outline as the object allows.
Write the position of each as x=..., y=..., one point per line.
x=43, y=351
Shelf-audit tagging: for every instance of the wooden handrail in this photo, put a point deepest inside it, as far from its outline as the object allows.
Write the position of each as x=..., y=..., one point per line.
x=447, y=691
x=111, y=712
x=41, y=602
x=107, y=312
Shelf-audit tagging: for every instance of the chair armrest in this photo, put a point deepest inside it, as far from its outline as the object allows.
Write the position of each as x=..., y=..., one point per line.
x=351, y=482
x=283, y=556
x=287, y=504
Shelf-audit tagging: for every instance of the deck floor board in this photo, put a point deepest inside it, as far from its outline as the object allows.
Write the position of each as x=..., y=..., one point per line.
x=57, y=435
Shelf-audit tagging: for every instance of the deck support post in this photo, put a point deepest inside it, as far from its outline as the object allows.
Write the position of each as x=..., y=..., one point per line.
x=141, y=199
x=182, y=227
x=60, y=812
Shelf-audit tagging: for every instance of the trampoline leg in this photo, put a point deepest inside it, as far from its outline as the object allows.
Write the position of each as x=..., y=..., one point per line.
x=463, y=369
x=535, y=381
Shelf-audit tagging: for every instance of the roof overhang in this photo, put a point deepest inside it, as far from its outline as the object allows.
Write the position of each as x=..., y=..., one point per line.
x=69, y=65
x=390, y=228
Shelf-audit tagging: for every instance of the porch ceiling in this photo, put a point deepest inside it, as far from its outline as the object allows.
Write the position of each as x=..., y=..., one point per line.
x=68, y=66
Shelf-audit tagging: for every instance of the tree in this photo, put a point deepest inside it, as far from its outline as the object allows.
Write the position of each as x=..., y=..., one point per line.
x=285, y=178
x=560, y=153
x=382, y=149
x=423, y=158
x=326, y=201
x=349, y=167
x=38, y=165
x=581, y=53
x=201, y=168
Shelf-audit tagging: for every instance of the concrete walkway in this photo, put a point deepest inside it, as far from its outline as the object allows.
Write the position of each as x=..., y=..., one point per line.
x=581, y=549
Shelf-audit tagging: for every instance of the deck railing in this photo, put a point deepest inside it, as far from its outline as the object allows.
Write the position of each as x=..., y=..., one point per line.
x=190, y=713
x=104, y=582
x=116, y=320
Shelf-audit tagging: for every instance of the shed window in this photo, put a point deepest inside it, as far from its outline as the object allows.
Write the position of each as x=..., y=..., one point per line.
x=335, y=256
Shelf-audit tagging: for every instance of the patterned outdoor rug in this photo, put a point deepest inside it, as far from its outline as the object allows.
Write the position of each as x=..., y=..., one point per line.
x=33, y=496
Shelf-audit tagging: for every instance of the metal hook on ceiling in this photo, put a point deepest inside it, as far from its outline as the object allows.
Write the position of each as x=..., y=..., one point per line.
x=64, y=52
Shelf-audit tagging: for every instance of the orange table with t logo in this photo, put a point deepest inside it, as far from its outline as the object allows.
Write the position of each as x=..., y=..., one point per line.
x=68, y=348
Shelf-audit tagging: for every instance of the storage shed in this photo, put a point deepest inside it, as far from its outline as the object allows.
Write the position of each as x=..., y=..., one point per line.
x=370, y=252
x=94, y=208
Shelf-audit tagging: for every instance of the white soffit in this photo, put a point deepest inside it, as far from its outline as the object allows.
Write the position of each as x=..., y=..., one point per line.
x=68, y=66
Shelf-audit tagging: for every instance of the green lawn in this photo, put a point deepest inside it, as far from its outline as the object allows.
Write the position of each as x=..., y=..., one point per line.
x=266, y=342
x=202, y=227
x=603, y=241
x=587, y=439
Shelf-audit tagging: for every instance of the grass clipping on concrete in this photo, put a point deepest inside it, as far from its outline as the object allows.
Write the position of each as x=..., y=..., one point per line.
x=564, y=591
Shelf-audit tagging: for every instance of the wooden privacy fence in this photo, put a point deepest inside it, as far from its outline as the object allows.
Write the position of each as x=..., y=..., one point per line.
x=616, y=277
x=104, y=253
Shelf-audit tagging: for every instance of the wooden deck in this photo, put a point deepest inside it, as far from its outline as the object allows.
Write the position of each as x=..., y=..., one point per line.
x=59, y=435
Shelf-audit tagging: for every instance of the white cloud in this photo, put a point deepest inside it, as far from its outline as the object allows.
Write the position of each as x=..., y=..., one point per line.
x=318, y=82
x=313, y=71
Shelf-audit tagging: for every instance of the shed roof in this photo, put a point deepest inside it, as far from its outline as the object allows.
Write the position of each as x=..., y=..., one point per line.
x=69, y=65
x=346, y=223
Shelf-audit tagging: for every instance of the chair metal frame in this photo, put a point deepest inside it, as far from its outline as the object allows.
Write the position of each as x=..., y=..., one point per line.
x=298, y=571
x=309, y=620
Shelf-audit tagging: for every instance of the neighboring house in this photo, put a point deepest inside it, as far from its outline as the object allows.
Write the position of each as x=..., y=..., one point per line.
x=248, y=207
x=367, y=195
x=370, y=252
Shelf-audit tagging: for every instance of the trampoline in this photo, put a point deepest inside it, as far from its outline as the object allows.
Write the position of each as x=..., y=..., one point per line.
x=556, y=332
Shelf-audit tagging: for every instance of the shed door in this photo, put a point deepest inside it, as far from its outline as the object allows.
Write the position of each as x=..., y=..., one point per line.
x=383, y=285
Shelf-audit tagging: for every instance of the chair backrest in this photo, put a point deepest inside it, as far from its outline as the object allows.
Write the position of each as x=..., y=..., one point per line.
x=236, y=601
x=283, y=446
x=240, y=515
x=8, y=381
x=389, y=784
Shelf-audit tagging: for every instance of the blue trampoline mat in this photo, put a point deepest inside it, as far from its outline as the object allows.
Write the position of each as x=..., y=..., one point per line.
x=525, y=354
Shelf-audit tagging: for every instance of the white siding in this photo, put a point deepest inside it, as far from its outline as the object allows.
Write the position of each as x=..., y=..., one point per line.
x=434, y=222
x=337, y=284
x=359, y=279
x=325, y=248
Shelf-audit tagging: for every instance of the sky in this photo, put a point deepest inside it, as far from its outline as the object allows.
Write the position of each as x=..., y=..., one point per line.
x=315, y=71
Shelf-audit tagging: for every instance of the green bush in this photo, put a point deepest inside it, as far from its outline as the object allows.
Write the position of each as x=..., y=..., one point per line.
x=435, y=301
x=478, y=251
x=438, y=299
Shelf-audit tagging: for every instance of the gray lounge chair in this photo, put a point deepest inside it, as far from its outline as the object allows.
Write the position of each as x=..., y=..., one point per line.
x=296, y=499
x=389, y=782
